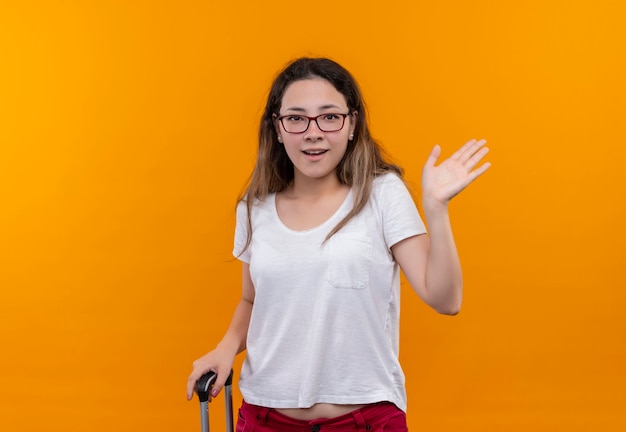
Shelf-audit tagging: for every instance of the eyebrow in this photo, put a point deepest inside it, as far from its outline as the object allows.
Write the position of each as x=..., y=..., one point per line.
x=323, y=107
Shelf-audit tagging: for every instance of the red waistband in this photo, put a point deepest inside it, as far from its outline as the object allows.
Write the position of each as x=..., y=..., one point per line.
x=363, y=418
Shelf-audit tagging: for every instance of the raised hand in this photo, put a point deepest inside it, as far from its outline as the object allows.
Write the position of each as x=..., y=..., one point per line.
x=441, y=183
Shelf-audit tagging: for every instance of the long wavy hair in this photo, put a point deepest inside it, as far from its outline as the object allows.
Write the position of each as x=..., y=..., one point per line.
x=363, y=161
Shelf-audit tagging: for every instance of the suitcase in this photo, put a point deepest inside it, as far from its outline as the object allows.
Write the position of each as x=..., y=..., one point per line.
x=203, y=388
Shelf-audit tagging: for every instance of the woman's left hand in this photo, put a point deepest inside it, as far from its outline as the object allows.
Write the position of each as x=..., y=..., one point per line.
x=443, y=182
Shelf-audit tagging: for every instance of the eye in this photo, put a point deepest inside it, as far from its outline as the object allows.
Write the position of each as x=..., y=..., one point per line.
x=294, y=118
x=331, y=117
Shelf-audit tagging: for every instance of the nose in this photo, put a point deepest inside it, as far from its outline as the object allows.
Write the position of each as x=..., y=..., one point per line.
x=313, y=132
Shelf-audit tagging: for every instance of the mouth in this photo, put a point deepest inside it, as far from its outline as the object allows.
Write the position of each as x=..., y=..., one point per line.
x=314, y=152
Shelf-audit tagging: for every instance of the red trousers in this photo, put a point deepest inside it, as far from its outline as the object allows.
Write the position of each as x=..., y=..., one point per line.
x=377, y=417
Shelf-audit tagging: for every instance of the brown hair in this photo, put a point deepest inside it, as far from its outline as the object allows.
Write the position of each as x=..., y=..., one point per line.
x=363, y=161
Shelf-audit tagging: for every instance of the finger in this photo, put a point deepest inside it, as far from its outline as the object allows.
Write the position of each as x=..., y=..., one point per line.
x=479, y=171
x=219, y=383
x=197, y=373
x=476, y=158
x=470, y=149
x=463, y=150
x=191, y=384
x=434, y=155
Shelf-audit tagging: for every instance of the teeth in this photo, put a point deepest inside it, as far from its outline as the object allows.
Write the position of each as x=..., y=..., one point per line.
x=315, y=152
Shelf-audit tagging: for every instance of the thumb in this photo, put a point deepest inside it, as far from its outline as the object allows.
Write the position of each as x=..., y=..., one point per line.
x=434, y=155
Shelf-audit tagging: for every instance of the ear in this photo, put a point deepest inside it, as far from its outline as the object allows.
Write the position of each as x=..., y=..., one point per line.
x=353, y=120
x=277, y=128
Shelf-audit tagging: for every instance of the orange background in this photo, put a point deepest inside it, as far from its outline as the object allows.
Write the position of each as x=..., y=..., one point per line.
x=127, y=128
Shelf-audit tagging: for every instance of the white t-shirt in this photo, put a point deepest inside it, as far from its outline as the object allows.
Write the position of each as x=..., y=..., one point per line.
x=325, y=321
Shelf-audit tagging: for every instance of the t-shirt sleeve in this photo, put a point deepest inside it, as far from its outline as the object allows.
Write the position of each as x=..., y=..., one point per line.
x=241, y=233
x=401, y=219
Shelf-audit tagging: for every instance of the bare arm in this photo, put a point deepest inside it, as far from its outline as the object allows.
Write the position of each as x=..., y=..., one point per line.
x=432, y=267
x=221, y=359
x=431, y=264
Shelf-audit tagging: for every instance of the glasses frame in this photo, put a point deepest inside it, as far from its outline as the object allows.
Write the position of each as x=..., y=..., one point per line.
x=343, y=122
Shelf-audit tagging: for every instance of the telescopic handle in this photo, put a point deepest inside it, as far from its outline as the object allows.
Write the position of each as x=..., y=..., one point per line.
x=203, y=388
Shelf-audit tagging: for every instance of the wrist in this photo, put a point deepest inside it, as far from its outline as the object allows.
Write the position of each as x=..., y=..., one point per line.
x=228, y=346
x=431, y=205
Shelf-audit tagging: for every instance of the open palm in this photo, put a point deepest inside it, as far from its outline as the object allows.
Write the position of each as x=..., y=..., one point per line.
x=440, y=183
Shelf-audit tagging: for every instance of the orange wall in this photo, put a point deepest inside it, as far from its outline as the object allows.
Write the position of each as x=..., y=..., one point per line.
x=127, y=129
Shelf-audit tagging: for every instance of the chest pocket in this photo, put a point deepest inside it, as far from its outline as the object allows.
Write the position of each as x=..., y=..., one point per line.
x=350, y=256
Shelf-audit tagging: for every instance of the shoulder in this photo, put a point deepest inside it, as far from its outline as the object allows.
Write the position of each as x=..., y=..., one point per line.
x=257, y=206
x=390, y=193
x=388, y=182
x=389, y=177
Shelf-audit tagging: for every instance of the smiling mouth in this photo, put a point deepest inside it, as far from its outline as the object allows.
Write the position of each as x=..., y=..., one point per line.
x=314, y=152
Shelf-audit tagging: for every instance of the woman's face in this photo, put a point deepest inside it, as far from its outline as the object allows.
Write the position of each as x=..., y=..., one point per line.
x=314, y=153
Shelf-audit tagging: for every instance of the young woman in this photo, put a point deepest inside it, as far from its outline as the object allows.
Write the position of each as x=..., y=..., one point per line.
x=323, y=229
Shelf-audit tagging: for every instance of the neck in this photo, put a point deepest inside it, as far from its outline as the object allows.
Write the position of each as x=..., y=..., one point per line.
x=315, y=187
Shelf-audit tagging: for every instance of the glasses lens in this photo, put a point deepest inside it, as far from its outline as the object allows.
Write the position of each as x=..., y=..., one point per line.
x=295, y=124
x=330, y=122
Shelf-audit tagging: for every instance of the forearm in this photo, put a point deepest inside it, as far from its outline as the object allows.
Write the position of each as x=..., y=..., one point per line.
x=444, y=278
x=235, y=337
x=220, y=360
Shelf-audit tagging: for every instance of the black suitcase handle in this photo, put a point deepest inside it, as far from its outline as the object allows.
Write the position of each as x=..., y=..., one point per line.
x=203, y=388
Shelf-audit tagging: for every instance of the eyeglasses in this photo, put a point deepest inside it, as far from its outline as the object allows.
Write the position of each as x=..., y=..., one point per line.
x=328, y=122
